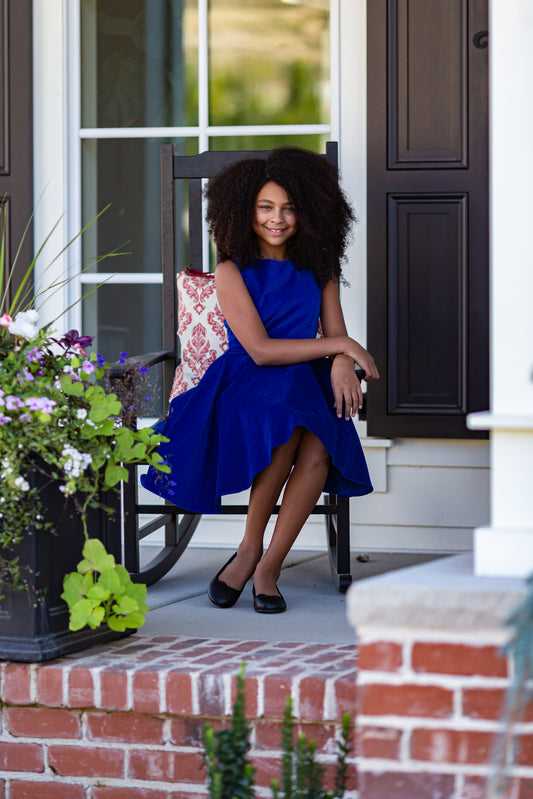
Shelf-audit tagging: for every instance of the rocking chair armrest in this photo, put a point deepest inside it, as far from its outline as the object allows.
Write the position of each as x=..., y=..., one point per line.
x=118, y=369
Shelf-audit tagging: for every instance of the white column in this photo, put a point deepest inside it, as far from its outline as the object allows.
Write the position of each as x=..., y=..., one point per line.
x=505, y=547
x=50, y=155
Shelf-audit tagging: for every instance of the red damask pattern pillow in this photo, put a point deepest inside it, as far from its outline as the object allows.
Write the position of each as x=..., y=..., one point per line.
x=201, y=328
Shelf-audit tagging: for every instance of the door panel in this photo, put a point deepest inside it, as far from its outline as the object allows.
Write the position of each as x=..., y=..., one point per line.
x=427, y=216
x=16, y=160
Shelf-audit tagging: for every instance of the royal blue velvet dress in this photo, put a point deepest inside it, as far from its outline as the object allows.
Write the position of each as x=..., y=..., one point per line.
x=222, y=432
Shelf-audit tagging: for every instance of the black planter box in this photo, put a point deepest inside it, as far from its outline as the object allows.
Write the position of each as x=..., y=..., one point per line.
x=34, y=623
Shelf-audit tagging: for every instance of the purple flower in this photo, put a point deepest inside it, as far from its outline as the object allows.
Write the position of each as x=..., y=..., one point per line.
x=40, y=404
x=73, y=337
x=34, y=355
x=4, y=419
x=25, y=417
x=12, y=403
x=123, y=356
x=88, y=367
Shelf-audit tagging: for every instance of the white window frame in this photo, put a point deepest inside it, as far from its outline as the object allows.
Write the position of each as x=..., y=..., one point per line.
x=81, y=282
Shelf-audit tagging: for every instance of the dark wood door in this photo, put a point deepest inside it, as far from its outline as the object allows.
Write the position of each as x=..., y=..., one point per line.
x=427, y=215
x=16, y=121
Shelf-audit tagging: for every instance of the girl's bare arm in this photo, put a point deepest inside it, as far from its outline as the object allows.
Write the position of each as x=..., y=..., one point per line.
x=242, y=317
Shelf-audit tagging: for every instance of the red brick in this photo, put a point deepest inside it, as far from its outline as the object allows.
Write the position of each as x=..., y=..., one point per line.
x=187, y=730
x=267, y=735
x=81, y=687
x=250, y=695
x=523, y=745
x=211, y=694
x=440, y=658
x=379, y=656
x=405, y=700
x=17, y=684
x=86, y=761
x=276, y=690
x=125, y=728
x=312, y=691
x=451, y=746
x=166, y=766
x=21, y=757
x=474, y=788
x=402, y=785
x=330, y=772
x=322, y=734
x=107, y=792
x=179, y=692
x=50, y=686
x=43, y=722
x=185, y=795
x=114, y=689
x=483, y=703
x=382, y=742
x=266, y=770
x=526, y=789
x=345, y=697
x=146, y=696
x=46, y=790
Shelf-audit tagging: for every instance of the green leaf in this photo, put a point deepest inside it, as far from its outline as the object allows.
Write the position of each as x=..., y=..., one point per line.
x=83, y=614
x=125, y=605
x=73, y=589
x=110, y=580
x=114, y=473
x=134, y=620
x=98, y=593
x=70, y=386
x=95, y=557
x=117, y=623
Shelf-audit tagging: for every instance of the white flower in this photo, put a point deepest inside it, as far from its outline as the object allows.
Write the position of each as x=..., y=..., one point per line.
x=81, y=413
x=21, y=483
x=25, y=324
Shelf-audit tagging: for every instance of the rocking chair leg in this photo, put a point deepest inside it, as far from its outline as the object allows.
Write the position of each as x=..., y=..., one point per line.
x=338, y=538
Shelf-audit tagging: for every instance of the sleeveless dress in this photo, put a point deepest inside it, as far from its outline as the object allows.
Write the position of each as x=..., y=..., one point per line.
x=222, y=432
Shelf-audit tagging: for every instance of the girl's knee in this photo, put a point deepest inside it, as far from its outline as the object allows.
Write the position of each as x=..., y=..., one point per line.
x=313, y=451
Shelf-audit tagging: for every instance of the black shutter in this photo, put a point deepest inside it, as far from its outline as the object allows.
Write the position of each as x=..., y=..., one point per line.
x=427, y=215
x=16, y=135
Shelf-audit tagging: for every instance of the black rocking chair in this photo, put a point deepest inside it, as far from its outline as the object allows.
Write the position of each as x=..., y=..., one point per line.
x=179, y=525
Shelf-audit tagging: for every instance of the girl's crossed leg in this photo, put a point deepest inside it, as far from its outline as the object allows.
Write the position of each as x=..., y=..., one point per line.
x=302, y=463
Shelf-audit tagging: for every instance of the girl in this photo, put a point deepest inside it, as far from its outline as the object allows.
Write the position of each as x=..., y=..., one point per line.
x=275, y=409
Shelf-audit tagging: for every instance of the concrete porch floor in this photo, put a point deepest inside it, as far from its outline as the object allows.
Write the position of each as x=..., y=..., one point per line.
x=316, y=610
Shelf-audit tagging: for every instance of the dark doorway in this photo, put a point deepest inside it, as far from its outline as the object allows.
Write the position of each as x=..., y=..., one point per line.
x=428, y=282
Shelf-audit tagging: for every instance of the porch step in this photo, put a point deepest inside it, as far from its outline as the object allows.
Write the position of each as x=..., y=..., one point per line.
x=125, y=721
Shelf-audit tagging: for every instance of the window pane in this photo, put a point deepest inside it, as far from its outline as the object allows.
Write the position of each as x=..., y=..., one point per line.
x=124, y=318
x=269, y=62
x=311, y=141
x=125, y=173
x=139, y=63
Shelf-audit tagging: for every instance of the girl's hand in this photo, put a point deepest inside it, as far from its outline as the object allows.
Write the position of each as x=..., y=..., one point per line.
x=362, y=358
x=346, y=387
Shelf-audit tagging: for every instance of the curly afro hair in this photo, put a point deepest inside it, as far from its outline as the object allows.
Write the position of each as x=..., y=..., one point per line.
x=323, y=214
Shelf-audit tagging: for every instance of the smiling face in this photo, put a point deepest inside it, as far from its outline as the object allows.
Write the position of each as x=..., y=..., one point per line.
x=274, y=221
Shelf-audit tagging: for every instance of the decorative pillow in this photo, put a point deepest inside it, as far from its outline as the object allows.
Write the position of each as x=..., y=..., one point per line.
x=201, y=328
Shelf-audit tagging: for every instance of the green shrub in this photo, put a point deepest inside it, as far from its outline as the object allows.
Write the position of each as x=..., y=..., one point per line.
x=230, y=775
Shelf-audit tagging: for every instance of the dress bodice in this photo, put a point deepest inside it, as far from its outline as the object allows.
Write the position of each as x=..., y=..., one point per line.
x=287, y=300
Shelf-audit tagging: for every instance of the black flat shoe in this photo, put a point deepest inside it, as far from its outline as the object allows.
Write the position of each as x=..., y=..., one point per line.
x=263, y=603
x=221, y=594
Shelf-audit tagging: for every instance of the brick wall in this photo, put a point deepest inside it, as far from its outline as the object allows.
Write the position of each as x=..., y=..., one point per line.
x=428, y=715
x=126, y=722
